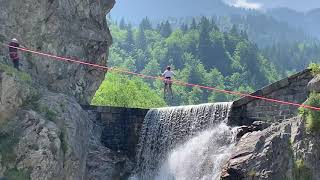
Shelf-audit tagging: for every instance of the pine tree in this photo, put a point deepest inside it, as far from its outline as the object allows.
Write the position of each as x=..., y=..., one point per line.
x=184, y=27
x=122, y=24
x=129, y=40
x=141, y=39
x=193, y=25
x=146, y=24
x=166, y=29
x=234, y=31
x=204, y=42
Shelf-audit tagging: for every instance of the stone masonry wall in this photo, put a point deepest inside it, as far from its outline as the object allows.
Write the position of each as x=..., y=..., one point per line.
x=291, y=89
x=121, y=127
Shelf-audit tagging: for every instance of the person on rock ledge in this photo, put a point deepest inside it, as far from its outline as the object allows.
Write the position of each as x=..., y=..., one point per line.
x=13, y=53
x=168, y=74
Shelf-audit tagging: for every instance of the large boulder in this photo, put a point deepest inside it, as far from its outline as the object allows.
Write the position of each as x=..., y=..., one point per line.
x=282, y=151
x=13, y=92
x=314, y=84
x=75, y=28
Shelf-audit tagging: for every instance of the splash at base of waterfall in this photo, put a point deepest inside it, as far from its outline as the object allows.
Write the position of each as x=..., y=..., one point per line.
x=201, y=158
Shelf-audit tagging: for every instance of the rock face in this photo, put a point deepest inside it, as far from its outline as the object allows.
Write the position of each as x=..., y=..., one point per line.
x=75, y=28
x=314, y=84
x=281, y=151
x=44, y=132
x=49, y=136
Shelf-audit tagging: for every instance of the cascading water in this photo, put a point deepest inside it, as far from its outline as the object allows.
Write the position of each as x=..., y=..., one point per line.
x=187, y=142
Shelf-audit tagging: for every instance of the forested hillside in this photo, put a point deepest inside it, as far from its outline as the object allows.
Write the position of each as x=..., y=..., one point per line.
x=199, y=53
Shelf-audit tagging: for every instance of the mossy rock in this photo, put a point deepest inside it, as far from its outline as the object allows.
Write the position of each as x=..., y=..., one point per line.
x=312, y=116
x=300, y=171
x=15, y=174
x=11, y=71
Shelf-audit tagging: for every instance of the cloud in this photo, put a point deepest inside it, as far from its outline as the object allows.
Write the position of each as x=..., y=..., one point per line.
x=244, y=4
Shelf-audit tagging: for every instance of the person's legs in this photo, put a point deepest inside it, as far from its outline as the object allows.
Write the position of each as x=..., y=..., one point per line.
x=16, y=64
x=170, y=90
x=165, y=90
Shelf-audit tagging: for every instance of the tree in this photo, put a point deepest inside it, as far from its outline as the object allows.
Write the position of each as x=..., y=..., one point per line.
x=122, y=24
x=184, y=27
x=129, y=40
x=234, y=31
x=195, y=96
x=193, y=25
x=205, y=45
x=146, y=24
x=141, y=39
x=121, y=91
x=165, y=29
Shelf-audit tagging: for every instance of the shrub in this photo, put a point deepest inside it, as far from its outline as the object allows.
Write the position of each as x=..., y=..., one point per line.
x=63, y=140
x=48, y=114
x=10, y=133
x=300, y=171
x=312, y=116
x=7, y=143
x=22, y=76
x=15, y=174
x=32, y=100
x=315, y=68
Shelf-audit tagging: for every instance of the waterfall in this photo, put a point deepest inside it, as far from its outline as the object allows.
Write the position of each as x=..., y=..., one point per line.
x=187, y=142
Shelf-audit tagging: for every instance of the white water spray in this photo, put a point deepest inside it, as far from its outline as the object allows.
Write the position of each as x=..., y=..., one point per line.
x=201, y=158
x=183, y=143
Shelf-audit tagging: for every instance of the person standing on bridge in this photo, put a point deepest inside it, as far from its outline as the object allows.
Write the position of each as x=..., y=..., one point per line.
x=13, y=52
x=168, y=74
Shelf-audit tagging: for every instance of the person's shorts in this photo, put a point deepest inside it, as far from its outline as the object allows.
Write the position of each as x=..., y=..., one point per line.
x=167, y=81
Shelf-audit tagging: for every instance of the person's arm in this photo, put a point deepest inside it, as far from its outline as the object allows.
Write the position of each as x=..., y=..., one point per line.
x=164, y=73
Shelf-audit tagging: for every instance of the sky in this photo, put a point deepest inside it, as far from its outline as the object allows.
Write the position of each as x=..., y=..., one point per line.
x=137, y=9
x=299, y=5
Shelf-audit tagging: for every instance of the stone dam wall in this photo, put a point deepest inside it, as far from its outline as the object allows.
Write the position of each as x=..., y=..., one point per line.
x=291, y=89
x=121, y=126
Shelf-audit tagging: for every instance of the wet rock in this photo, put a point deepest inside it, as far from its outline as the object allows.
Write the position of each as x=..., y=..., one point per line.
x=282, y=151
x=261, y=155
x=255, y=126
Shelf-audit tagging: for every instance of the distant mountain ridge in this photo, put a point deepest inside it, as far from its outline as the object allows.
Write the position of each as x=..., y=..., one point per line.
x=309, y=21
x=160, y=10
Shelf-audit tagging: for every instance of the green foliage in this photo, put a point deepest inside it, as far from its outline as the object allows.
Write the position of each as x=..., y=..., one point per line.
x=48, y=113
x=7, y=144
x=201, y=54
x=63, y=140
x=315, y=68
x=9, y=137
x=300, y=171
x=312, y=116
x=32, y=100
x=22, y=76
x=2, y=38
x=15, y=174
x=118, y=90
x=293, y=56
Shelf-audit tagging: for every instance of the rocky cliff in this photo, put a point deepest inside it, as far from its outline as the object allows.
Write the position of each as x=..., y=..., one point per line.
x=74, y=28
x=44, y=132
x=277, y=149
